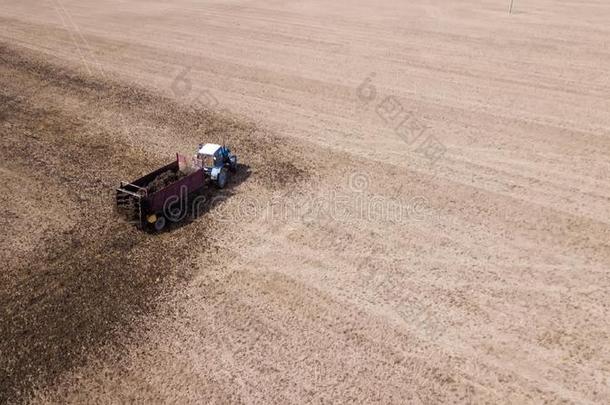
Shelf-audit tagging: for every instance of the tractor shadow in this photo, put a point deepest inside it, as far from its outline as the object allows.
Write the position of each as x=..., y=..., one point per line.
x=200, y=203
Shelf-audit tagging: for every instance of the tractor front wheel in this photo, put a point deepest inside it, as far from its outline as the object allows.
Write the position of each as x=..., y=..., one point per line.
x=222, y=179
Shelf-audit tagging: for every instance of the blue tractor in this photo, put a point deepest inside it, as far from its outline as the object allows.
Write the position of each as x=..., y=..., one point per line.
x=217, y=162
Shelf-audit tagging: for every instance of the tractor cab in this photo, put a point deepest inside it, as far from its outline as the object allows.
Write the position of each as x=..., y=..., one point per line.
x=210, y=155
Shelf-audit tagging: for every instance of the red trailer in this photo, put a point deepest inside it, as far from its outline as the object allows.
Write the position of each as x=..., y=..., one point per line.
x=146, y=201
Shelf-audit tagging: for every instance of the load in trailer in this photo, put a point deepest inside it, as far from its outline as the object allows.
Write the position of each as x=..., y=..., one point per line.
x=146, y=200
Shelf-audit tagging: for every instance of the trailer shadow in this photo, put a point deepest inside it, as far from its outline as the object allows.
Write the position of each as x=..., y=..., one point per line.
x=198, y=204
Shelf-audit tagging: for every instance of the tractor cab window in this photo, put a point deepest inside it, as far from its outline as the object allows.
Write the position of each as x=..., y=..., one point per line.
x=207, y=160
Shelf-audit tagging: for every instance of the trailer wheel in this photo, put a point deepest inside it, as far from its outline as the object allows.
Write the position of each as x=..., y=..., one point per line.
x=223, y=178
x=160, y=223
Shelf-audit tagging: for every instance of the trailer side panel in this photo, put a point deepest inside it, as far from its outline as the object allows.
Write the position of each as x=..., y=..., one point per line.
x=175, y=191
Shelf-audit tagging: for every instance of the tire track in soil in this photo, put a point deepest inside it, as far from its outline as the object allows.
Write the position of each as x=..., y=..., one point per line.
x=88, y=286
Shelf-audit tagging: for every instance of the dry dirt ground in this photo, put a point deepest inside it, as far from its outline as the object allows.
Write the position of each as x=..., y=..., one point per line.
x=342, y=265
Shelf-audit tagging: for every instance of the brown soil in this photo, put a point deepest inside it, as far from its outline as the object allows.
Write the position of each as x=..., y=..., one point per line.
x=86, y=277
x=339, y=265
